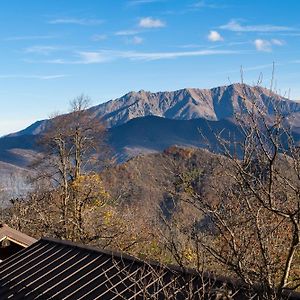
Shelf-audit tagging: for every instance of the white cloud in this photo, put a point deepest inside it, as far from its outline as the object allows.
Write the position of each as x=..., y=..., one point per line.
x=263, y=45
x=126, y=32
x=76, y=21
x=237, y=27
x=43, y=50
x=189, y=46
x=249, y=69
x=290, y=34
x=95, y=57
x=30, y=37
x=259, y=67
x=151, y=23
x=40, y=77
x=215, y=36
x=99, y=37
x=170, y=55
x=140, y=2
x=205, y=4
x=266, y=45
x=277, y=42
x=137, y=40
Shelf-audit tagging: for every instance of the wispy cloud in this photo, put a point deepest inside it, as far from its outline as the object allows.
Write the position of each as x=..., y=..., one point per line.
x=207, y=4
x=96, y=57
x=30, y=37
x=198, y=5
x=171, y=55
x=137, y=40
x=289, y=34
x=249, y=68
x=130, y=36
x=140, y=2
x=190, y=46
x=150, y=22
x=126, y=32
x=235, y=26
x=40, y=77
x=43, y=50
x=259, y=67
x=99, y=37
x=228, y=45
x=277, y=42
x=266, y=45
x=215, y=36
x=75, y=21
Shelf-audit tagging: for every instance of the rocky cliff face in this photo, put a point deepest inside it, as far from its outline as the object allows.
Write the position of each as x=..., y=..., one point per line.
x=186, y=104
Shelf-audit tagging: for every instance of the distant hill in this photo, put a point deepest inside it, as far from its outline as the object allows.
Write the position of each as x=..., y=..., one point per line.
x=149, y=180
x=18, y=150
x=154, y=134
x=137, y=136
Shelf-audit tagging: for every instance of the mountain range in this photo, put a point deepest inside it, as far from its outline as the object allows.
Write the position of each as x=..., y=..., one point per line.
x=144, y=122
x=210, y=104
x=186, y=104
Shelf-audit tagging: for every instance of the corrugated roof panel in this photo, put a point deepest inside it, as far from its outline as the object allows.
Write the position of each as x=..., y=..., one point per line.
x=33, y=278
x=52, y=269
x=60, y=273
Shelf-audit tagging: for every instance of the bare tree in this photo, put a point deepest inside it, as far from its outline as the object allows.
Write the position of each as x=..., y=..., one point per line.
x=252, y=209
x=66, y=180
x=144, y=280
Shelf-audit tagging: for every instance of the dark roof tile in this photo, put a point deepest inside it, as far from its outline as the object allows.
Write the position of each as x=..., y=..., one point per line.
x=53, y=269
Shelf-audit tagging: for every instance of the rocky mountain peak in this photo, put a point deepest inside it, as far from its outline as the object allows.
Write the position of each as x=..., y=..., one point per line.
x=189, y=103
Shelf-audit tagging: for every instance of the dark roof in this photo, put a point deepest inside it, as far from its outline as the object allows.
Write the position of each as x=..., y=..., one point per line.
x=53, y=269
x=15, y=236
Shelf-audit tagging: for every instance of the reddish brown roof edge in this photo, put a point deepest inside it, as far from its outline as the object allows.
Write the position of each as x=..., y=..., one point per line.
x=16, y=236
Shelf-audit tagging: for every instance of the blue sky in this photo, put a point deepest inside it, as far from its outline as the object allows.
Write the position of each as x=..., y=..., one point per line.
x=53, y=50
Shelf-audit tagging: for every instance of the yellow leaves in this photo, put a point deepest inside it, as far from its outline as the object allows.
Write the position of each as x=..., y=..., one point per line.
x=107, y=217
x=98, y=202
x=85, y=181
x=189, y=254
x=89, y=189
